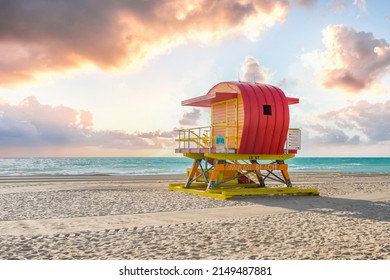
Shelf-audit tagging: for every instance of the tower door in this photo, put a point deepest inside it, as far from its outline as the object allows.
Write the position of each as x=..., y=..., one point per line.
x=224, y=124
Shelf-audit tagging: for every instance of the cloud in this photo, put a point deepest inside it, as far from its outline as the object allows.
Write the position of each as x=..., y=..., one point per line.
x=305, y=3
x=190, y=118
x=341, y=5
x=353, y=61
x=370, y=119
x=252, y=71
x=328, y=135
x=360, y=124
x=361, y=5
x=337, y=5
x=40, y=37
x=31, y=124
x=288, y=82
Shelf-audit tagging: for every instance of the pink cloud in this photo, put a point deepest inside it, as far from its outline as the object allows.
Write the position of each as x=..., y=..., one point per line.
x=329, y=135
x=252, y=71
x=190, y=118
x=338, y=5
x=32, y=125
x=86, y=119
x=353, y=61
x=40, y=37
x=362, y=123
x=305, y=3
x=370, y=119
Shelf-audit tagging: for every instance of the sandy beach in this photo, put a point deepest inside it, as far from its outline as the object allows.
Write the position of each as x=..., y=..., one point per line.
x=136, y=217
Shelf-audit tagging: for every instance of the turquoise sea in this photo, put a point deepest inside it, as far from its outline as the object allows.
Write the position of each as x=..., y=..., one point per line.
x=168, y=165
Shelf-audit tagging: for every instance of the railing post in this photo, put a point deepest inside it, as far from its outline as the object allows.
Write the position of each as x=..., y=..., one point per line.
x=199, y=140
x=179, y=141
x=188, y=139
x=211, y=139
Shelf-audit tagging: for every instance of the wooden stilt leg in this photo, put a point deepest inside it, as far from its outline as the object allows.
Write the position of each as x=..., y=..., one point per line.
x=215, y=175
x=286, y=177
x=193, y=171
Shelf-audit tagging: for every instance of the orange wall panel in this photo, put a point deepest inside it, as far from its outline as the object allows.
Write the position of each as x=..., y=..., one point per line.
x=219, y=113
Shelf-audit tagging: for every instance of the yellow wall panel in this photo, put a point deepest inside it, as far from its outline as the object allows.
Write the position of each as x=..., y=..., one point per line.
x=225, y=114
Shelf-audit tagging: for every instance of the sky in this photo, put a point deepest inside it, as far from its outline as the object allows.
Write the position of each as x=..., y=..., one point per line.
x=106, y=78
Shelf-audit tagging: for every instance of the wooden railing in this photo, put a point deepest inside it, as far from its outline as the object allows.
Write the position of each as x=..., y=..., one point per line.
x=195, y=138
x=199, y=139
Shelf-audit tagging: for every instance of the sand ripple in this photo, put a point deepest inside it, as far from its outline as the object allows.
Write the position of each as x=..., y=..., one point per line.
x=81, y=203
x=350, y=220
x=304, y=235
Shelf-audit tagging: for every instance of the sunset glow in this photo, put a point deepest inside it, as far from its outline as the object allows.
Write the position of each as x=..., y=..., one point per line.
x=106, y=78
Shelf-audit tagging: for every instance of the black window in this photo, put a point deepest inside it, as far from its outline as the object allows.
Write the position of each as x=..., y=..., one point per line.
x=267, y=110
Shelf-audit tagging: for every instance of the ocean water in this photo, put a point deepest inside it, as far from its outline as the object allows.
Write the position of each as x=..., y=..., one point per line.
x=339, y=164
x=161, y=165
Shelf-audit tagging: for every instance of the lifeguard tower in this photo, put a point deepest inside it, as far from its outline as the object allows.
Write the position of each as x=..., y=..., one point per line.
x=243, y=151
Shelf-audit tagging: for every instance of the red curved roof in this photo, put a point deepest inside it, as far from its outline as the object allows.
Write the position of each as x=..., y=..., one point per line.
x=264, y=134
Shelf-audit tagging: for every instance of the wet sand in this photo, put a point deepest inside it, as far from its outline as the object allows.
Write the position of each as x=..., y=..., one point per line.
x=136, y=217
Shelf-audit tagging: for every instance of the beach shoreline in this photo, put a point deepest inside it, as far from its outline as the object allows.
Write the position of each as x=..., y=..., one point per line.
x=136, y=217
